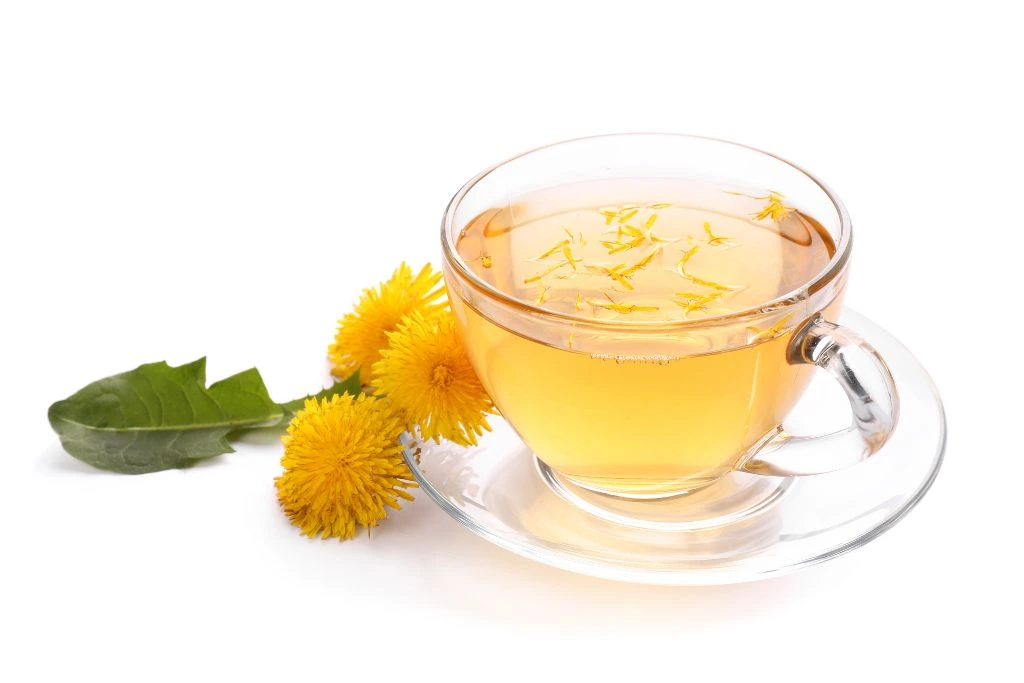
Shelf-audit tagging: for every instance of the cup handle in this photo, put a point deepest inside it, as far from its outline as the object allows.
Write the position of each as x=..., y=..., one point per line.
x=869, y=386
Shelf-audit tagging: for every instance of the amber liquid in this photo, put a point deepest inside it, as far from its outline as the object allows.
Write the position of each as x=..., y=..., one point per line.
x=629, y=409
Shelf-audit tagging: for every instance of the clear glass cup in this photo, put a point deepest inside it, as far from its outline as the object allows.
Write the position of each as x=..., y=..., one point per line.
x=715, y=434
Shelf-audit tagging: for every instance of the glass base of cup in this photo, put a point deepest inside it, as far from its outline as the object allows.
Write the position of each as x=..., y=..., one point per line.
x=658, y=505
x=638, y=489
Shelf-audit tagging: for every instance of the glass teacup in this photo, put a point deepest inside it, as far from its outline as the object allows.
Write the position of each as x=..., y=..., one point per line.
x=645, y=353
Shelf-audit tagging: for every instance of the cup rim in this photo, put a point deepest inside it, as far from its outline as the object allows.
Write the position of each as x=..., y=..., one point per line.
x=832, y=269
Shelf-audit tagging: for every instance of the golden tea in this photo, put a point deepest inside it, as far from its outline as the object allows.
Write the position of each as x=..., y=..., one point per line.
x=623, y=400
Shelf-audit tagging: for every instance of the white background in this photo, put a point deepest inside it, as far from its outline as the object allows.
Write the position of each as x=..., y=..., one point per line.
x=181, y=179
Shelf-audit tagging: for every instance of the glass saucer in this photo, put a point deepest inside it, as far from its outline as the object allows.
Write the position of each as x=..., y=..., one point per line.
x=743, y=528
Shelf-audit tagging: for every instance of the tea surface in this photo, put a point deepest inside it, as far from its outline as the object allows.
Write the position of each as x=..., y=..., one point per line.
x=659, y=260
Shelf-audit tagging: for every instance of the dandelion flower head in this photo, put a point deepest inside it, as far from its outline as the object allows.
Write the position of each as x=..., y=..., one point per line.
x=426, y=375
x=343, y=466
x=363, y=333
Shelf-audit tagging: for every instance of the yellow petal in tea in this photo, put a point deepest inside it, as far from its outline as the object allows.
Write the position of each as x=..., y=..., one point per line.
x=735, y=254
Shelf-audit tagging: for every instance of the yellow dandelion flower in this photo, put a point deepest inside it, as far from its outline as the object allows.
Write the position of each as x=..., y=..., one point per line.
x=426, y=375
x=343, y=466
x=363, y=332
